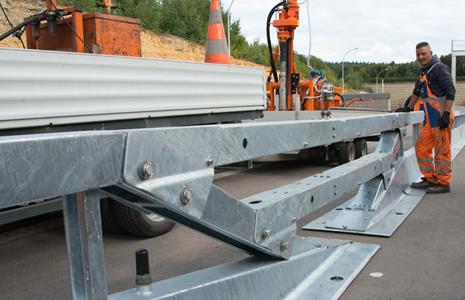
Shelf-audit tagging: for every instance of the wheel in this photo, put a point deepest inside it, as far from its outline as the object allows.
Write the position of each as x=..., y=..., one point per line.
x=139, y=224
x=361, y=148
x=346, y=152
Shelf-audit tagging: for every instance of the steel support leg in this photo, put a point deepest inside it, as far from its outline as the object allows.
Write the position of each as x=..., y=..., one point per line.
x=84, y=241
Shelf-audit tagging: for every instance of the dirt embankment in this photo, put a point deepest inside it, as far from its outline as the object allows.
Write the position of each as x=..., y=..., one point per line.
x=163, y=46
x=17, y=10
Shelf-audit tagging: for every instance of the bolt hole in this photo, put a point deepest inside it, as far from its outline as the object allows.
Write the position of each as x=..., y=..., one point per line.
x=311, y=200
x=256, y=202
x=339, y=208
x=245, y=143
x=399, y=213
x=337, y=278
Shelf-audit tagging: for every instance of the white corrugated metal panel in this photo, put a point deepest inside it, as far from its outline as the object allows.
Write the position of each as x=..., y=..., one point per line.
x=37, y=88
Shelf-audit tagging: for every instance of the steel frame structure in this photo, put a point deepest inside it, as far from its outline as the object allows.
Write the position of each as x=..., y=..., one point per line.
x=170, y=171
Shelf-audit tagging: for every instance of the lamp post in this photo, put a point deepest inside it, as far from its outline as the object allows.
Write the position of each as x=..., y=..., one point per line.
x=343, y=58
x=229, y=27
x=377, y=75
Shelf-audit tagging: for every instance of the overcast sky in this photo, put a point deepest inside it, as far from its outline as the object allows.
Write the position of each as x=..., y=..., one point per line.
x=384, y=31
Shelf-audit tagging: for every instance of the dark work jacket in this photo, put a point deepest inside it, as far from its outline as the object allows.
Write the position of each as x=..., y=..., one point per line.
x=440, y=79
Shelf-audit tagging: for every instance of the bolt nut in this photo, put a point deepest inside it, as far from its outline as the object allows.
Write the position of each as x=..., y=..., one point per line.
x=266, y=234
x=186, y=195
x=209, y=162
x=284, y=246
x=146, y=170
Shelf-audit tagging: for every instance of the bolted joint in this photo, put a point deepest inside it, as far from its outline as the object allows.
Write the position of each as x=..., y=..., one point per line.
x=146, y=170
x=284, y=246
x=186, y=195
x=266, y=233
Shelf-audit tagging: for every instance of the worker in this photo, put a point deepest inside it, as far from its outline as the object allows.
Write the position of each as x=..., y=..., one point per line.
x=434, y=94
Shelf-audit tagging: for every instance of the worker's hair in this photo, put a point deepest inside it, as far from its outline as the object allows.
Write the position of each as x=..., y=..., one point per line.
x=422, y=44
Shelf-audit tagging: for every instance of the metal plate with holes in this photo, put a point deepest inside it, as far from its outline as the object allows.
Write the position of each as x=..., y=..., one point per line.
x=318, y=269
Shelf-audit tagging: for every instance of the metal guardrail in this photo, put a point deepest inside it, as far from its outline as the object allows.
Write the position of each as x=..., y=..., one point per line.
x=40, y=88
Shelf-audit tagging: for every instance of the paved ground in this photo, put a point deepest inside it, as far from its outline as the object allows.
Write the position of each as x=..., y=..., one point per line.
x=425, y=259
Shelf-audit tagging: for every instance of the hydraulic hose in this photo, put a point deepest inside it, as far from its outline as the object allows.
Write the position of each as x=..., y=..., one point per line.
x=36, y=18
x=342, y=98
x=268, y=39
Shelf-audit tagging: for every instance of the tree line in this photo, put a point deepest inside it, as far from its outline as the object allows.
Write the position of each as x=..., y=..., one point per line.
x=189, y=19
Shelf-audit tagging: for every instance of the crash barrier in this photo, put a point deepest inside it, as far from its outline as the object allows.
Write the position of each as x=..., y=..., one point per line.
x=174, y=177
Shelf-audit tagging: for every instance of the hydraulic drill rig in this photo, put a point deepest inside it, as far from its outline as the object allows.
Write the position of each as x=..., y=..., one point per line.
x=294, y=92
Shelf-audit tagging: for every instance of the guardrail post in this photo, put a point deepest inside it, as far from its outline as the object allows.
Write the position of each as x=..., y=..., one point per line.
x=84, y=241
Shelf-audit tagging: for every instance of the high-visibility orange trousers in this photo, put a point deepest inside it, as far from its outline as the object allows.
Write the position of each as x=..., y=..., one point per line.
x=438, y=171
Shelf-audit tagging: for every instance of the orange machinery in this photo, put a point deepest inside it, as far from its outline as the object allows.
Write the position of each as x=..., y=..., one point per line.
x=69, y=29
x=310, y=94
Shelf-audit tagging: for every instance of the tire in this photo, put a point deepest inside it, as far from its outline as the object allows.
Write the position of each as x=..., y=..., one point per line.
x=346, y=152
x=140, y=224
x=361, y=148
x=109, y=222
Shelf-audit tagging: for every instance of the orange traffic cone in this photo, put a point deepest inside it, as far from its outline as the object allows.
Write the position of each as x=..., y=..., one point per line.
x=217, y=48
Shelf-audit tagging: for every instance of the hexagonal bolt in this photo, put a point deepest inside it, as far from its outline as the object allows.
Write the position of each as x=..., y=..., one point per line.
x=266, y=234
x=146, y=170
x=186, y=195
x=284, y=246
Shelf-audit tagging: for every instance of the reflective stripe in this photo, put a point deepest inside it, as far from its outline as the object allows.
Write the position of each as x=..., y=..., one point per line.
x=432, y=67
x=425, y=160
x=440, y=100
x=443, y=172
x=215, y=17
x=443, y=163
x=217, y=47
x=426, y=169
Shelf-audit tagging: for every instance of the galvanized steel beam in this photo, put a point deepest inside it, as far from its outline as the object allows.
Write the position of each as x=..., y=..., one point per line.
x=173, y=168
x=84, y=241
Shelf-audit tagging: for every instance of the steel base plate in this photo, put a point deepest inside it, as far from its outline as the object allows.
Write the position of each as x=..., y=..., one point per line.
x=318, y=269
x=398, y=201
x=342, y=220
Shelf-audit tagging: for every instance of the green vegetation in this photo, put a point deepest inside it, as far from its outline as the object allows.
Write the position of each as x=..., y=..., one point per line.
x=366, y=72
x=189, y=19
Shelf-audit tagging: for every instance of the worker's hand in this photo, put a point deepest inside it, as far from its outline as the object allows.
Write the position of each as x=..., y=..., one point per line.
x=444, y=120
x=404, y=109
